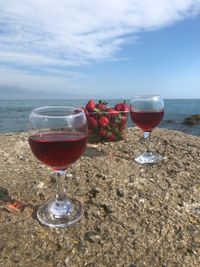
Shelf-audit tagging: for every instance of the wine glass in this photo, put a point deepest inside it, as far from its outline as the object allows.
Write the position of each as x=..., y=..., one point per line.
x=147, y=112
x=57, y=137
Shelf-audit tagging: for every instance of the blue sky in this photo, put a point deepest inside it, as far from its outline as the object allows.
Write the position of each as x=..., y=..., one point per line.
x=99, y=49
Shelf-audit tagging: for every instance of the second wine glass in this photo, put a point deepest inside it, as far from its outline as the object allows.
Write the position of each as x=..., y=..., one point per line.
x=147, y=112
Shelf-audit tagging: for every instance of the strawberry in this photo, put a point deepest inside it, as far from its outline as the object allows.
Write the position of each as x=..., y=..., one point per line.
x=102, y=105
x=103, y=121
x=112, y=110
x=86, y=111
x=103, y=132
x=90, y=132
x=90, y=105
x=113, y=113
x=92, y=122
x=122, y=107
x=106, y=124
x=111, y=138
x=121, y=127
x=123, y=120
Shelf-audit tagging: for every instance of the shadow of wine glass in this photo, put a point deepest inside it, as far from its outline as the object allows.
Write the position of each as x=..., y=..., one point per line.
x=34, y=213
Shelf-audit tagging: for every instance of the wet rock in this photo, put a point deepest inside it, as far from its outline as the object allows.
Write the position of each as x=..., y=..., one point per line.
x=192, y=120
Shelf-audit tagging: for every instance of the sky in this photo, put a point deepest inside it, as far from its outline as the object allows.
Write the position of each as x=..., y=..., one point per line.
x=74, y=49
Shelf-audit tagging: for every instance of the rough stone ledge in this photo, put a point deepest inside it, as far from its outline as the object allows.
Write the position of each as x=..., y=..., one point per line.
x=134, y=215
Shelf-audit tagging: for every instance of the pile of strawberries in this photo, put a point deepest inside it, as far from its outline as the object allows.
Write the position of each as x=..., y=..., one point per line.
x=105, y=123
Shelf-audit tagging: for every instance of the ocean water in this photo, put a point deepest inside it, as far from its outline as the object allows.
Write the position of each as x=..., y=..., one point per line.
x=14, y=113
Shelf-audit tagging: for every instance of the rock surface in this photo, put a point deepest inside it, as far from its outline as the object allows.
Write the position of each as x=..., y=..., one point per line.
x=192, y=120
x=134, y=215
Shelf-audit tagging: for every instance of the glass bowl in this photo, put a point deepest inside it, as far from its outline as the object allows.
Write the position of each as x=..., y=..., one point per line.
x=107, y=126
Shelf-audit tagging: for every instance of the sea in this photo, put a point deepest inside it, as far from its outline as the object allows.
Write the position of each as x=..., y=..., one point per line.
x=14, y=114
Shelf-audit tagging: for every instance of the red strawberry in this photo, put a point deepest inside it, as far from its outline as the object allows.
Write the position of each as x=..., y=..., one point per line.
x=103, y=132
x=90, y=105
x=103, y=121
x=113, y=113
x=90, y=132
x=102, y=105
x=86, y=111
x=92, y=122
x=121, y=127
x=123, y=120
x=122, y=107
x=111, y=138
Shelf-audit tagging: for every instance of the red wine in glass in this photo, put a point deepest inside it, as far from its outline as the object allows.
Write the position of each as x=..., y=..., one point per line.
x=58, y=150
x=57, y=137
x=147, y=120
x=147, y=112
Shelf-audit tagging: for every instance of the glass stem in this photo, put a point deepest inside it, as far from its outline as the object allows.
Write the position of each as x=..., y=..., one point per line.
x=147, y=136
x=60, y=192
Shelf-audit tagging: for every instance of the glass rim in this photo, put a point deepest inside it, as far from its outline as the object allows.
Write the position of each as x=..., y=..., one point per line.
x=106, y=112
x=147, y=96
x=45, y=108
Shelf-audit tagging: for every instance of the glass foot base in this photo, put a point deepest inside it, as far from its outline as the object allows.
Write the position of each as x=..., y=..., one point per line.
x=149, y=158
x=54, y=213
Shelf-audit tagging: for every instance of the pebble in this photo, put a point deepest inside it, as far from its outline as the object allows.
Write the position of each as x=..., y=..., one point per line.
x=92, y=236
x=53, y=179
x=120, y=192
x=131, y=179
x=107, y=208
x=40, y=185
x=100, y=175
x=69, y=175
x=22, y=157
x=41, y=196
x=67, y=263
x=94, y=191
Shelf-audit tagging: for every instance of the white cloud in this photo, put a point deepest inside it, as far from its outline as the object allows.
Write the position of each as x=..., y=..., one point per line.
x=70, y=32
x=51, y=34
x=48, y=83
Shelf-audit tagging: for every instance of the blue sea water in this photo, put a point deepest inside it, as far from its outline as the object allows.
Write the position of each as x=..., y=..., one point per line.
x=14, y=113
